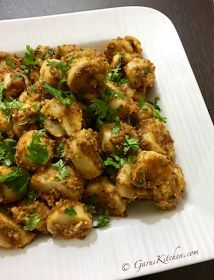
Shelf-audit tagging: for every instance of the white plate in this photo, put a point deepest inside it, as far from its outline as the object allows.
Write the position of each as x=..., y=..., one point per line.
x=140, y=243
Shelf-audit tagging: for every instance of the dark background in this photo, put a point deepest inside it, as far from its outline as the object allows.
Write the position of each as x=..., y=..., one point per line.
x=194, y=21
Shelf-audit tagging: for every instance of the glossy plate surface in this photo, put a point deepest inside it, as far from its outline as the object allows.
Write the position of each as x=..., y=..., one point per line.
x=148, y=240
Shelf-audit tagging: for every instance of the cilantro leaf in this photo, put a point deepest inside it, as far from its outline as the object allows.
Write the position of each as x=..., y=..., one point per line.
x=18, y=75
x=115, y=161
x=103, y=219
x=25, y=69
x=32, y=221
x=31, y=196
x=61, y=169
x=60, y=150
x=31, y=88
x=61, y=66
x=110, y=92
x=9, y=62
x=8, y=105
x=117, y=126
x=131, y=144
x=38, y=152
x=156, y=113
x=65, y=97
x=7, y=151
x=17, y=179
x=70, y=211
x=2, y=89
x=143, y=105
x=29, y=58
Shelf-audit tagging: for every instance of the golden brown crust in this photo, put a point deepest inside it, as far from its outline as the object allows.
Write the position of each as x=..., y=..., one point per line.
x=155, y=137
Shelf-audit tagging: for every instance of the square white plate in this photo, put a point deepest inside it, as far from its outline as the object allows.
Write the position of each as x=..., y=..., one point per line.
x=148, y=240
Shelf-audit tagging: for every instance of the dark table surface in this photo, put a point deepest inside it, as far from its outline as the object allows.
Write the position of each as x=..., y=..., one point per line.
x=194, y=21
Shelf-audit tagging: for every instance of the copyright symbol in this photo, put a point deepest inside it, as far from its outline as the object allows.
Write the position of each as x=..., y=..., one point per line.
x=125, y=266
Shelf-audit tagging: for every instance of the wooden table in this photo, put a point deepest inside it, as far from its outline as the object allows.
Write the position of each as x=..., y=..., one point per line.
x=194, y=21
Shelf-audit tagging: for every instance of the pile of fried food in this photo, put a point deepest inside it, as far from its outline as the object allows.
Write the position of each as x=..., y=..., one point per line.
x=80, y=140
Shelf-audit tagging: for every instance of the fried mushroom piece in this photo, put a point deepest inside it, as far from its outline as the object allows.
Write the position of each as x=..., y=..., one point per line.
x=128, y=46
x=49, y=184
x=83, y=150
x=12, y=235
x=154, y=136
x=25, y=210
x=142, y=113
x=44, y=52
x=67, y=49
x=5, y=122
x=15, y=82
x=60, y=119
x=113, y=143
x=86, y=74
x=26, y=118
x=140, y=73
x=153, y=177
x=33, y=93
x=106, y=196
x=48, y=73
x=7, y=193
x=69, y=219
x=121, y=100
x=33, y=150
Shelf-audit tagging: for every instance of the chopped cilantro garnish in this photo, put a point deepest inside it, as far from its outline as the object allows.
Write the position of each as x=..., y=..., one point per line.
x=29, y=58
x=115, y=161
x=61, y=169
x=130, y=144
x=9, y=62
x=143, y=105
x=117, y=126
x=39, y=118
x=38, y=152
x=8, y=105
x=31, y=196
x=61, y=66
x=18, y=75
x=31, y=88
x=156, y=113
x=2, y=89
x=32, y=221
x=70, y=211
x=50, y=52
x=115, y=75
x=65, y=97
x=7, y=151
x=103, y=219
x=60, y=150
x=25, y=69
x=17, y=179
x=110, y=92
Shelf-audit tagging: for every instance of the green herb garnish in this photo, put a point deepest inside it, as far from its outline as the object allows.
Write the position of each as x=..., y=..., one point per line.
x=7, y=151
x=61, y=66
x=61, y=169
x=38, y=152
x=17, y=179
x=9, y=62
x=103, y=219
x=31, y=196
x=29, y=58
x=117, y=126
x=8, y=105
x=70, y=211
x=60, y=150
x=32, y=221
x=65, y=97
x=143, y=105
x=115, y=161
x=25, y=69
x=131, y=144
x=156, y=113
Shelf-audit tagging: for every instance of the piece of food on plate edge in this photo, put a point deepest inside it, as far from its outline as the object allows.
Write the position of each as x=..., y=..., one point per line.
x=80, y=140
